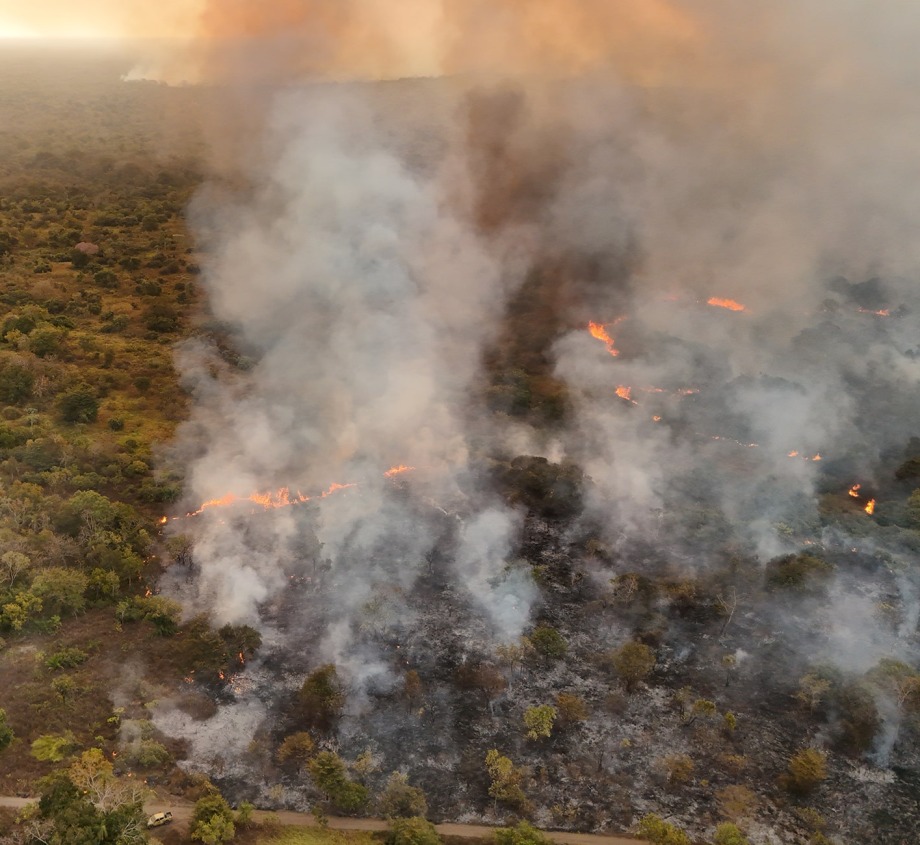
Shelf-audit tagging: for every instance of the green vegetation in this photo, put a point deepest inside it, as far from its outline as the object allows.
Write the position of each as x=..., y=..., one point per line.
x=330, y=776
x=412, y=831
x=212, y=820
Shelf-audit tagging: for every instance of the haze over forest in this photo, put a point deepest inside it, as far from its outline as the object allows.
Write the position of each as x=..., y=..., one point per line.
x=517, y=397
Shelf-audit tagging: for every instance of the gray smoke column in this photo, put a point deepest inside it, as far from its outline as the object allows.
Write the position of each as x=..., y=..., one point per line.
x=363, y=297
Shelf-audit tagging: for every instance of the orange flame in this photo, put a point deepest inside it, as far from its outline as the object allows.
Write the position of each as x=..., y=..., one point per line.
x=147, y=592
x=163, y=520
x=817, y=457
x=220, y=675
x=870, y=507
x=854, y=490
x=793, y=454
x=730, y=304
x=599, y=332
x=242, y=659
x=885, y=312
x=656, y=419
x=397, y=470
x=624, y=393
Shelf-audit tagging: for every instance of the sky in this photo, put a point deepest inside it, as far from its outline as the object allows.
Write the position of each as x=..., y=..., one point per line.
x=96, y=18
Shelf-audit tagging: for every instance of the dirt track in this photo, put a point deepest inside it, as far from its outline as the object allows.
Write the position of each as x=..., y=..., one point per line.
x=182, y=812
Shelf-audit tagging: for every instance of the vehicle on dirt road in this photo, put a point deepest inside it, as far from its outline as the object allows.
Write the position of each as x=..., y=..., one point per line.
x=158, y=819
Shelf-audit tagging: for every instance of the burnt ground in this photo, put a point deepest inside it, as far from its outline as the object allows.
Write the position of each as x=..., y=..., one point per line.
x=605, y=772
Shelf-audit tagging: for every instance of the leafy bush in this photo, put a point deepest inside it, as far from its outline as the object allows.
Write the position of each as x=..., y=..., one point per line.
x=412, y=831
x=66, y=658
x=79, y=406
x=53, y=747
x=549, y=642
x=806, y=770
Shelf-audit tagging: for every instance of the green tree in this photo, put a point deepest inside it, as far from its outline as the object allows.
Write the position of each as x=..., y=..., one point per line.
x=327, y=771
x=548, y=642
x=729, y=834
x=212, y=820
x=412, y=831
x=78, y=405
x=16, y=384
x=523, y=833
x=296, y=748
x=539, y=721
x=322, y=697
x=61, y=590
x=657, y=830
x=572, y=709
x=53, y=747
x=399, y=800
x=505, y=779
x=633, y=663
x=807, y=768
x=6, y=732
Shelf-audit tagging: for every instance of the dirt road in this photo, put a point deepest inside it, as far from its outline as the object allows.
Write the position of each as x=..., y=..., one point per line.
x=182, y=812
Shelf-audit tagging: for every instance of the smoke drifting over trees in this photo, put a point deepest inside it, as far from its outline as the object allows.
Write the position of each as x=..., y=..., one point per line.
x=407, y=269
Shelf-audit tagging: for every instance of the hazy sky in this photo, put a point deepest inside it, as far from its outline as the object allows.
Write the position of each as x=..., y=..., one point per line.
x=95, y=18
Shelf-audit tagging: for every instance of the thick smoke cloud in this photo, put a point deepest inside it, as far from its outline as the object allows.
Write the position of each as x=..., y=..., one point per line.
x=642, y=157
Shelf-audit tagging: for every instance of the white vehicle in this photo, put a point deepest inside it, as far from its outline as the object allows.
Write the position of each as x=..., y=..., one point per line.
x=158, y=819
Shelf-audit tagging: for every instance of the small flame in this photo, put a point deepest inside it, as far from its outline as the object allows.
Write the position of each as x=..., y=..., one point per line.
x=625, y=393
x=220, y=675
x=854, y=490
x=397, y=470
x=242, y=659
x=147, y=592
x=817, y=457
x=885, y=312
x=793, y=454
x=656, y=419
x=870, y=507
x=599, y=332
x=163, y=520
x=730, y=304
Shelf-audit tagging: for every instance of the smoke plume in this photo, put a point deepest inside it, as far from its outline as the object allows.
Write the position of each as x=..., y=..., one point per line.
x=726, y=190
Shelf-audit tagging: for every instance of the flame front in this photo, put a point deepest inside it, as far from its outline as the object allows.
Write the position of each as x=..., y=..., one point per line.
x=599, y=332
x=870, y=507
x=397, y=470
x=730, y=304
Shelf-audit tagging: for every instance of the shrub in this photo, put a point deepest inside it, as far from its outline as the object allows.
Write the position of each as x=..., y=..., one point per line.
x=549, y=642
x=78, y=406
x=412, y=831
x=523, y=833
x=660, y=832
x=399, y=800
x=806, y=770
x=633, y=663
x=539, y=721
x=53, y=747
